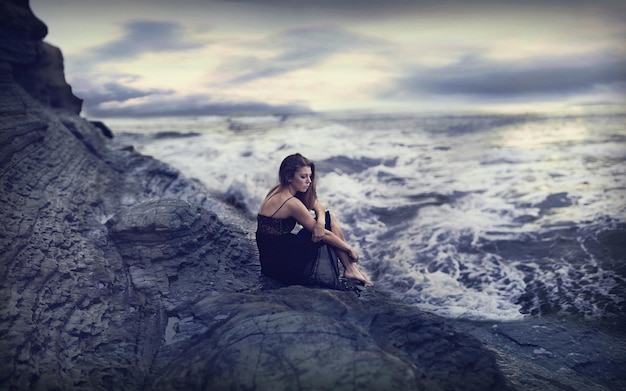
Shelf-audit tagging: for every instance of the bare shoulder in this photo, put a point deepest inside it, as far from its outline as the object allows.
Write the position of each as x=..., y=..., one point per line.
x=297, y=209
x=279, y=205
x=294, y=203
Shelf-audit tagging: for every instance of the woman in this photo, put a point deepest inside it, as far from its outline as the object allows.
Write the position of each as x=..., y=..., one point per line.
x=289, y=257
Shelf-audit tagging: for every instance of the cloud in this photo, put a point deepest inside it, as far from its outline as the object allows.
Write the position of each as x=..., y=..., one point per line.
x=147, y=36
x=189, y=105
x=537, y=77
x=108, y=99
x=364, y=9
x=299, y=48
x=95, y=96
x=246, y=59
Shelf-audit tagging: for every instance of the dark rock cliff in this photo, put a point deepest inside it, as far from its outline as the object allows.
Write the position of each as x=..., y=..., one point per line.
x=116, y=272
x=44, y=79
x=33, y=64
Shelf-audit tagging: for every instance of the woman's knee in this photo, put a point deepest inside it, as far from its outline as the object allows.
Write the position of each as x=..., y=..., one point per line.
x=335, y=227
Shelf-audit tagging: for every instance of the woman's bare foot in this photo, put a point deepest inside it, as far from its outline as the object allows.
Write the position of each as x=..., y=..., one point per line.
x=355, y=274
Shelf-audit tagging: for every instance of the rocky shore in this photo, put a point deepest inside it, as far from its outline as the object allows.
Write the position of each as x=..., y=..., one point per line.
x=116, y=272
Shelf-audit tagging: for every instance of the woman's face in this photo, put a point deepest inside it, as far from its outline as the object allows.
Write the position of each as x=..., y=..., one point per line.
x=301, y=179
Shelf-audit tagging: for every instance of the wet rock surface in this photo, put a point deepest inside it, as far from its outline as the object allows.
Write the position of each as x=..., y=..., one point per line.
x=555, y=353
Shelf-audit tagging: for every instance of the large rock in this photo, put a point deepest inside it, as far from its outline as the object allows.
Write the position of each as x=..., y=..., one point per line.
x=20, y=32
x=35, y=65
x=301, y=338
x=181, y=252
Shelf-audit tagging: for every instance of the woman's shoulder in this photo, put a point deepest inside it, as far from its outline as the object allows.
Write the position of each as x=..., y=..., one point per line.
x=294, y=206
x=275, y=203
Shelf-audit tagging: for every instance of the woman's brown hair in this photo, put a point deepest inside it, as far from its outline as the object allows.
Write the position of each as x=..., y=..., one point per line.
x=288, y=168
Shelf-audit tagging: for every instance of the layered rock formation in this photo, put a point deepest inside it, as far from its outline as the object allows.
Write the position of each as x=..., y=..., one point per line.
x=33, y=64
x=44, y=79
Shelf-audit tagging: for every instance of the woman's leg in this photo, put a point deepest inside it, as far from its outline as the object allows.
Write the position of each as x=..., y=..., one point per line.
x=351, y=270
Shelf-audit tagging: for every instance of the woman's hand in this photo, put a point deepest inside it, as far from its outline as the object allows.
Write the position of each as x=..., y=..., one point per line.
x=318, y=232
x=354, y=256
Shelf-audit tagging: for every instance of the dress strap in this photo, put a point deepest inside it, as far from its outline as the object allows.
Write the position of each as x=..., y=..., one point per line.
x=281, y=205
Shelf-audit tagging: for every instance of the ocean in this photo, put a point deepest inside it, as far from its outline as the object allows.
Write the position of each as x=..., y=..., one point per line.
x=480, y=217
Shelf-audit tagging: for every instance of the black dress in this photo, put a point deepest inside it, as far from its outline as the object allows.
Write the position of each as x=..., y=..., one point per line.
x=294, y=258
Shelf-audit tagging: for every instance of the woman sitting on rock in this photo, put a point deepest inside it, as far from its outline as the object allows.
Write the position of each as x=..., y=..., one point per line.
x=294, y=258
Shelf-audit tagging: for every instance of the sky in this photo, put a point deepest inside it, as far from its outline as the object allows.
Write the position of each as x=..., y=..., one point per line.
x=151, y=58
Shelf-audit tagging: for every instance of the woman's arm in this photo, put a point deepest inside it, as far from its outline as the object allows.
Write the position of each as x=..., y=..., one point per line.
x=320, y=212
x=318, y=231
x=302, y=216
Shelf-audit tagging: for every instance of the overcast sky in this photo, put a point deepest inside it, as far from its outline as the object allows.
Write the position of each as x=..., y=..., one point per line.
x=195, y=57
